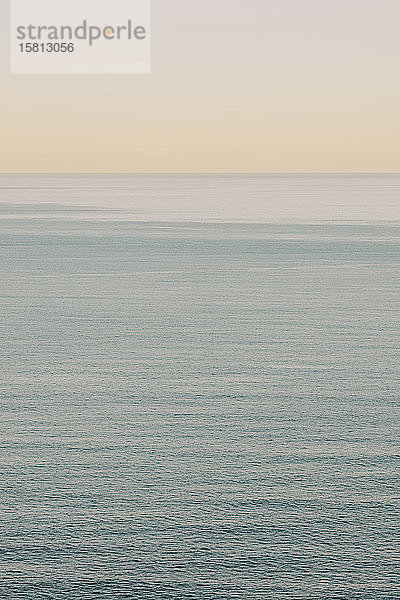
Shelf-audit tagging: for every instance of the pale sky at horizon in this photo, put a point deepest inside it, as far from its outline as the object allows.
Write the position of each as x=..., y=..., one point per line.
x=237, y=85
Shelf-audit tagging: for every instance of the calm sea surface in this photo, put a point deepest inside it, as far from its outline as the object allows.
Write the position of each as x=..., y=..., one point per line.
x=199, y=388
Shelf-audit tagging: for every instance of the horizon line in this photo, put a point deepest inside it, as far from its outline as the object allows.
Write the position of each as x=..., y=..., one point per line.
x=250, y=173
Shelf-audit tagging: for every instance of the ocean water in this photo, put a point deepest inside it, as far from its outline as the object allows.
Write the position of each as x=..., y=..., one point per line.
x=199, y=388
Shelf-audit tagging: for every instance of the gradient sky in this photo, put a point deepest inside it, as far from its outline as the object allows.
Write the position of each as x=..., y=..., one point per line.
x=237, y=85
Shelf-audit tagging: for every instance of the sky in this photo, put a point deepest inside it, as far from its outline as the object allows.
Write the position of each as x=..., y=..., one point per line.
x=236, y=86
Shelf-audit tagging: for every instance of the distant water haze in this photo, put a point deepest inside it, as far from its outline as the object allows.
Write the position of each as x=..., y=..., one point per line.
x=225, y=198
